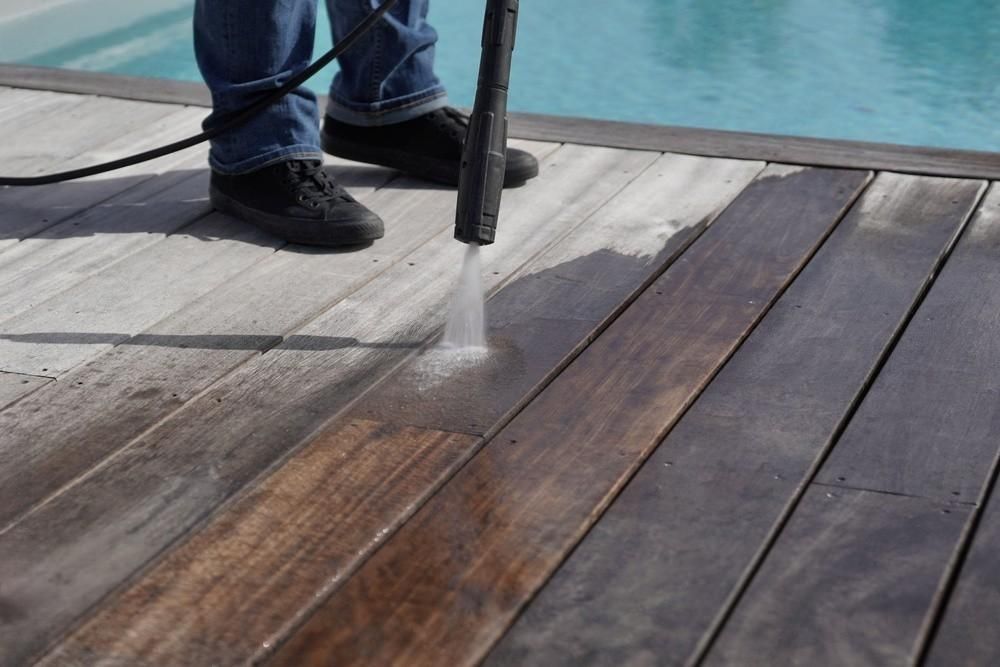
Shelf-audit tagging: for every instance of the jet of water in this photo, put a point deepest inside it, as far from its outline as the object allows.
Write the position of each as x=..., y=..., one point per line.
x=466, y=328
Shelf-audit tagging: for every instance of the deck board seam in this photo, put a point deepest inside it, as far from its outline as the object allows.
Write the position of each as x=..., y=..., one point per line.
x=728, y=608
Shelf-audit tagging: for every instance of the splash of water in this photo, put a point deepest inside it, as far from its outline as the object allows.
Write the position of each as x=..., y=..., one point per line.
x=466, y=328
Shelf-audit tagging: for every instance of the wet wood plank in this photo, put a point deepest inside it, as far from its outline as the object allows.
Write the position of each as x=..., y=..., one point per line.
x=108, y=402
x=170, y=480
x=567, y=293
x=451, y=580
x=847, y=583
x=30, y=211
x=931, y=423
x=704, y=504
x=13, y=387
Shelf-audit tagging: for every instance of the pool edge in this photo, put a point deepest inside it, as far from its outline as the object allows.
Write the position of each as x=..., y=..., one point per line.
x=617, y=134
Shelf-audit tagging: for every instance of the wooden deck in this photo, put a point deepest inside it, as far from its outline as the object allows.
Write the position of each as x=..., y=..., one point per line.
x=736, y=412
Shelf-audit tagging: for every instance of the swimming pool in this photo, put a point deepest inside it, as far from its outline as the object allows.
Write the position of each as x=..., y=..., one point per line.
x=920, y=72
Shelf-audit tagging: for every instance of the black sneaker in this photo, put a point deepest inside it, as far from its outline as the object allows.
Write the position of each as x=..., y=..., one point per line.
x=297, y=201
x=429, y=146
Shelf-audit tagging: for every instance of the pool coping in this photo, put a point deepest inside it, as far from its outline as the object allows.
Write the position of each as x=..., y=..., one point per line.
x=615, y=134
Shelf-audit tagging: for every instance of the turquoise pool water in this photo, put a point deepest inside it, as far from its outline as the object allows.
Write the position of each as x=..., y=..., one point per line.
x=924, y=72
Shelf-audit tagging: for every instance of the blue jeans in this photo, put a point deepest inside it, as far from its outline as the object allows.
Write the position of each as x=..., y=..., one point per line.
x=248, y=47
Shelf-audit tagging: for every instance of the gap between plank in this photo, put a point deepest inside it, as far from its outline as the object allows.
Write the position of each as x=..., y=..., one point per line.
x=729, y=606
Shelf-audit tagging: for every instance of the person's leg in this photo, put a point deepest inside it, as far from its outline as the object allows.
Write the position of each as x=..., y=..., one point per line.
x=387, y=106
x=245, y=49
x=388, y=75
x=269, y=172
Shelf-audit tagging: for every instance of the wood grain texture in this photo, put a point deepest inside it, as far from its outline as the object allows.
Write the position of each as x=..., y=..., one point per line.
x=847, y=583
x=447, y=585
x=14, y=387
x=30, y=211
x=565, y=293
x=696, y=515
x=59, y=134
x=168, y=481
x=113, y=399
x=107, y=308
x=930, y=424
x=966, y=634
x=45, y=265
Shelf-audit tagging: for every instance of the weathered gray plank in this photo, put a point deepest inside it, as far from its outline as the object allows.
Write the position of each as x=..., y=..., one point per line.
x=707, y=499
x=931, y=424
x=154, y=491
x=29, y=211
x=42, y=266
x=108, y=85
x=20, y=108
x=53, y=260
x=60, y=135
x=108, y=402
x=847, y=583
x=112, y=305
x=567, y=292
x=14, y=386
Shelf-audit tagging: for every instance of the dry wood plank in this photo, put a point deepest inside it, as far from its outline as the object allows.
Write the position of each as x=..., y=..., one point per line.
x=41, y=266
x=122, y=300
x=931, y=423
x=20, y=108
x=110, y=401
x=174, y=475
x=842, y=584
x=570, y=290
x=58, y=134
x=29, y=211
x=693, y=519
x=450, y=581
x=13, y=387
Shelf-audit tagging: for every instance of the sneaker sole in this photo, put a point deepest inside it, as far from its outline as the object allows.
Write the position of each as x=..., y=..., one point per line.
x=302, y=231
x=432, y=169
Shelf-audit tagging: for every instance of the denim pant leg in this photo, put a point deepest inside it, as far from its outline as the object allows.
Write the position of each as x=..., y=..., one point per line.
x=245, y=49
x=388, y=75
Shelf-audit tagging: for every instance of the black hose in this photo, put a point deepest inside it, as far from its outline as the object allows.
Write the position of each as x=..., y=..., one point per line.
x=238, y=119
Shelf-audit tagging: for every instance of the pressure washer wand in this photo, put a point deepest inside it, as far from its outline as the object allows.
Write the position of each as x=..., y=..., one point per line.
x=484, y=157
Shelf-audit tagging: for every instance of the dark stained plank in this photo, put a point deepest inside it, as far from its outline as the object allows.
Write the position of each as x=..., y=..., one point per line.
x=931, y=424
x=537, y=321
x=157, y=488
x=676, y=543
x=966, y=634
x=847, y=583
x=256, y=537
x=447, y=585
